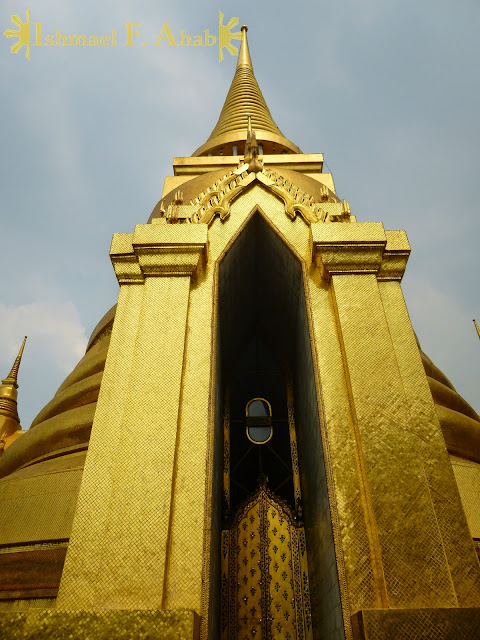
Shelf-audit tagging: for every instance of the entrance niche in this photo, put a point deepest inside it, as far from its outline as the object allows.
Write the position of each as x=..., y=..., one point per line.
x=265, y=590
x=273, y=482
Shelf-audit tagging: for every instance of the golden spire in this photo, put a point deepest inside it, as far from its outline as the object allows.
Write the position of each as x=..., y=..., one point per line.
x=244, y=59
x=476, y=327
x=9, y=420
x=245, y=98
x=12, y=376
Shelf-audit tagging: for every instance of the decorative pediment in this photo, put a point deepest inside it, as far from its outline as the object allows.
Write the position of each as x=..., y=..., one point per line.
x=216, y=200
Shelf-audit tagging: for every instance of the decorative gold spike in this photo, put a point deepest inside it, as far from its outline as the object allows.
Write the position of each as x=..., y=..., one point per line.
x=476, y=327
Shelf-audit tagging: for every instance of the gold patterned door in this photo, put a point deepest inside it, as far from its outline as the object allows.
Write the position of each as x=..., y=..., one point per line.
x=265, y=592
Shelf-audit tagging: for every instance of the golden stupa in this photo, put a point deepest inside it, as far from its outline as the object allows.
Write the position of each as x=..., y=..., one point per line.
x=270, y=454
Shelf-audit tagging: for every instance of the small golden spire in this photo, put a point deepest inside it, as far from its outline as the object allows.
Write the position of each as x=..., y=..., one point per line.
x=244, y=59
x=12, y=376
x=476, y=327
x=9, y=420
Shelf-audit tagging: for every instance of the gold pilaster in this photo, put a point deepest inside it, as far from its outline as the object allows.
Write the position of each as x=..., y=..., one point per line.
x=117, y=552
x=420, y=552
x=449, y=515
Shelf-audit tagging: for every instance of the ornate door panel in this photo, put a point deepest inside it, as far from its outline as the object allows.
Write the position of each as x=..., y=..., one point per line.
x=264, y=573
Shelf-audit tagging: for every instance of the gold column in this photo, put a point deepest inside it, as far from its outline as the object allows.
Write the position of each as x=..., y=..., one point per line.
x=449, y=514
x=409, y=499
x=117, y=552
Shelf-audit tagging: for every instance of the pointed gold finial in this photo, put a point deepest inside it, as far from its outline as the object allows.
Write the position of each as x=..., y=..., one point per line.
x=476, y=327
x=12, y=376
x=251, y=149
x=9, y=420
x=249, y=140
x=244, y=59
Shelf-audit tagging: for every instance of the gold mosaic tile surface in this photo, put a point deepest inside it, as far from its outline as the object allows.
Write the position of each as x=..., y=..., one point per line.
x=84, y=563
x=101, y=625
x=448, y=512
x=403, y=487
x=39, y=506
x=415, y=574
x=132, y=546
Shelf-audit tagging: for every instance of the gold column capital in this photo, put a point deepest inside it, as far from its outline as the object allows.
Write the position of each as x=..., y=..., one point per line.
x=359, y=247
x=124, y=260
x=158, y=250
x=395, y=256
x=348, y=248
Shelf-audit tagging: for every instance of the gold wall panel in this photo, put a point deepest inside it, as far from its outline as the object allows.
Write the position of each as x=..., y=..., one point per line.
x=213, y=516
x=121, y=536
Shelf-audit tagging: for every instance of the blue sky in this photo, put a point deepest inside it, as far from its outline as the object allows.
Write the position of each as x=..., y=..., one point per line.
x=388, y=91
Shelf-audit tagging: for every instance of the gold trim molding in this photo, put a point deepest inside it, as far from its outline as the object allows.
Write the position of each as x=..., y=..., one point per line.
x=158, y=250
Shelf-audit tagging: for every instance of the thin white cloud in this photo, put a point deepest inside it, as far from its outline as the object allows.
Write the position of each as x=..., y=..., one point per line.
x=53, y=329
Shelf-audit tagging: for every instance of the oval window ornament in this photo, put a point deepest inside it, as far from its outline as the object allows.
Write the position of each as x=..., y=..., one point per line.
x=259, y=420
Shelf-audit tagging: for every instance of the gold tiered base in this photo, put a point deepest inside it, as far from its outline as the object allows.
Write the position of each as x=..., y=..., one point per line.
x=80, y=625
x=386, y=624
x=413, y=624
